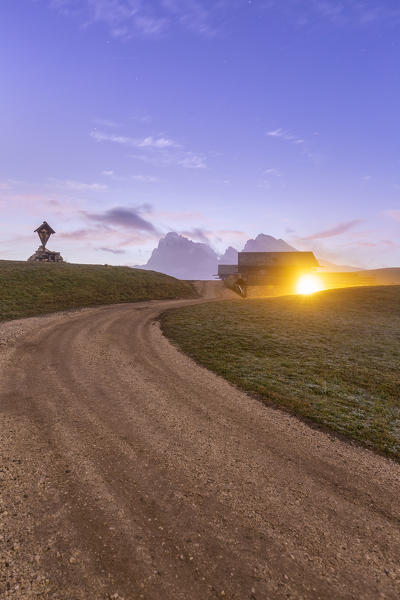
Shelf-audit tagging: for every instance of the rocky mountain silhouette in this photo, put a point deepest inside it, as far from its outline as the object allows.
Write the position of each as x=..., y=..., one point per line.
x=267, y=243
x=262, y=243
x=230, y=256
x=180, y=257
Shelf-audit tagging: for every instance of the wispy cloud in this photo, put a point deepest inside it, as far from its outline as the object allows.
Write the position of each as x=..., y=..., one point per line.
x=272, y=172
x=334, y=231
x=270, y=176
x=177, y=215
x=187, y=160
x=339, y=13
x=211, y=236
x=126, y=19
x=39, y=201
x=393, y=214
x=112, y=250
x=5, y=185
x=391, y=243
x=359, y=12
x=306, y=146
x=79, y=186
x=157, y=150
x=285, y=135
x=116, y=239
x=145, y=178
x=141, y=117
x=334, y=11
x=158, y=142
x=198, y=16
x=197, y=235
x=264, y=185
x=229, y=233
x=192, y=161
x=106, y=123
x=83, y=234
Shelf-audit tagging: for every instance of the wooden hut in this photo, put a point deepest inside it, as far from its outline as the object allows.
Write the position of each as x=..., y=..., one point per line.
x=275, y=272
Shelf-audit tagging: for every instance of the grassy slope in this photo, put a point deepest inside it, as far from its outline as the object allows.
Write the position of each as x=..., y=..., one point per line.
x=368, y=277
x=28, y=289
x=333, y=357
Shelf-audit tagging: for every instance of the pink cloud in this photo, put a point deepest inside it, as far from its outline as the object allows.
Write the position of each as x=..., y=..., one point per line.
x=232, y=233
x=334, y=231
x=367, y=244
x=109, y=237
x=390, y=243
x=393, y=214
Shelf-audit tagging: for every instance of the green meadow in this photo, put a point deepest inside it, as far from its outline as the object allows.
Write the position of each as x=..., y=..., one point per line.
x=28, y=289
x=332, y=357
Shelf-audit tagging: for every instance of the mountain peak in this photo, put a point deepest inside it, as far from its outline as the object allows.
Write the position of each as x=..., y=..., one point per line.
x=180, y=257
x=229, y=257
x=267, y=243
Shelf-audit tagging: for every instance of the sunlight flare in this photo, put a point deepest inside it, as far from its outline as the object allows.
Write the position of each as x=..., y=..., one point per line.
x=309, y=284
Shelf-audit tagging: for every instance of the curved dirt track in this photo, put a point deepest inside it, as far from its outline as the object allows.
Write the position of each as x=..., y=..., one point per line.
x=130, y=472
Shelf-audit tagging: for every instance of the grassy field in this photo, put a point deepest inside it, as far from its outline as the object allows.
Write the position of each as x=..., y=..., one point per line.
x=332, y=357
x=28, y=289
x=368, y=277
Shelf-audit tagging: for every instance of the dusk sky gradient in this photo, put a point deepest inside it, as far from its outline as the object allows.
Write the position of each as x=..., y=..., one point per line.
x=122, y=120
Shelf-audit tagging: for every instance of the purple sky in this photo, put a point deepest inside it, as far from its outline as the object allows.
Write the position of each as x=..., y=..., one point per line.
x=124, y=119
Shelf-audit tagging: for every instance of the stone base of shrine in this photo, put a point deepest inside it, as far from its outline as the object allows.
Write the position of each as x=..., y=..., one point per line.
x=44, y=255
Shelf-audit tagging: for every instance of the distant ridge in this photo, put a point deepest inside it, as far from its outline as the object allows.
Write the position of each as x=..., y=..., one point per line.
x=182, y=258
x=333, y=268
x=262, y=243
x=267, y=243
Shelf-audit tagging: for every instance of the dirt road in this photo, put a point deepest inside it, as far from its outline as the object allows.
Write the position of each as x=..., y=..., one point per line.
x=129, y=472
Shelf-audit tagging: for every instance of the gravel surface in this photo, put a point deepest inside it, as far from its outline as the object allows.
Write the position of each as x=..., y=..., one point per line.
x=129, y=472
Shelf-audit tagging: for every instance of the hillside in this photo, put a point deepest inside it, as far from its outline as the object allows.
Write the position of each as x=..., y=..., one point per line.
x=28, y=289
x=331, y=357
x=369, y=277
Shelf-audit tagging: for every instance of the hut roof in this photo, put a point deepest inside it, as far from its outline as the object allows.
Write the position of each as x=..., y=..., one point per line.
x=277, y=259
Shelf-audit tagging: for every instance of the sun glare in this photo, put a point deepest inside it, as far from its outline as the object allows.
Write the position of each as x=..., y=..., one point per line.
x=309, y=284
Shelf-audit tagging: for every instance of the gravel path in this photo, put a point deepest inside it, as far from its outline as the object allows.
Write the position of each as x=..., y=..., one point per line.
x=129, y=472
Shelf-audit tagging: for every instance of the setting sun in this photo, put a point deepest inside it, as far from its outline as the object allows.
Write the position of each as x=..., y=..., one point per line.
x=309, y=284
